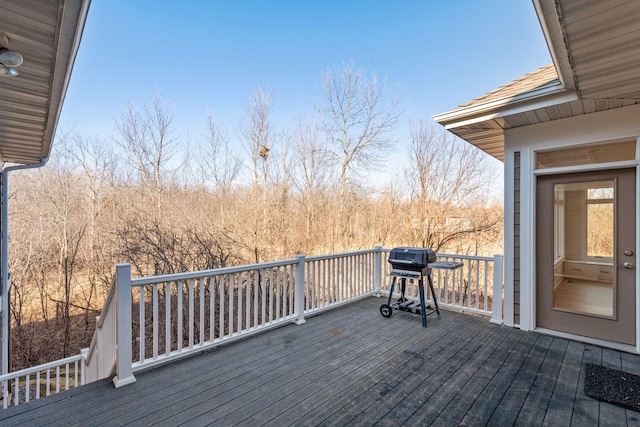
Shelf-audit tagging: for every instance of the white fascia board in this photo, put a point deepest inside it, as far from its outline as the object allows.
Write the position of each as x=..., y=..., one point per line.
x=498, y=110
x=71, y=28
x=553, y=35
x=484, y=107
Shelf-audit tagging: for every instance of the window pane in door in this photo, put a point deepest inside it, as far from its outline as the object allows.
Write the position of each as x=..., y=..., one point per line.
x=584, y=214
x=600, y=230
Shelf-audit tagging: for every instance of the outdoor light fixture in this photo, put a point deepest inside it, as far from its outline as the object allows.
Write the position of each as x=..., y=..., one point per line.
x=9, y=59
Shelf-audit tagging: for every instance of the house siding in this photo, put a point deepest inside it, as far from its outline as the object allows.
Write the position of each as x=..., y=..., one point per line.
x=516, y=238
x=521, y=145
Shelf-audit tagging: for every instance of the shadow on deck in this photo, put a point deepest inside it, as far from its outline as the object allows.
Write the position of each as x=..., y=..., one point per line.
x=351, y=366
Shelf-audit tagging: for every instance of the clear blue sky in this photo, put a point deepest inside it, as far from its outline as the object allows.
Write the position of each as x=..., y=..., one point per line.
x=206, y=56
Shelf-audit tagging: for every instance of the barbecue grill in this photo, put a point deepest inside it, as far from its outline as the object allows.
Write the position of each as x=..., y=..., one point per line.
x=413, y=264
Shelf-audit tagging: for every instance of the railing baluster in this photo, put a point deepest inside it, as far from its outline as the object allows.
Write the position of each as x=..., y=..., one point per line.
x=486, y=285
x=256, y=295
x=270, y=295
x=212, y=308
x=322, y=283
x=221, y=315
x=285, y=291
x=141, y=335
x=167, y=317
x=179, y=285
x=263, y=299
x=245, y=281
x=155, y=320
x=201, y=287
x=191, y=296
x=312, y=266
x=469, y=284
x=232, y=287
x=240, y=300
x=278, y=284
x=477, y=285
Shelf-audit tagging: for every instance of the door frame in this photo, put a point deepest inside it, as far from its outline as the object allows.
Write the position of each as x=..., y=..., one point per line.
x=529, y=308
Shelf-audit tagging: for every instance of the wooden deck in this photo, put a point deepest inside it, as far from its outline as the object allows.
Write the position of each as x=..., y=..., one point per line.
x=351, y=366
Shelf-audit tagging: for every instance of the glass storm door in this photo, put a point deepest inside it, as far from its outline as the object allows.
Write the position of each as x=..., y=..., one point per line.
x=585, y=254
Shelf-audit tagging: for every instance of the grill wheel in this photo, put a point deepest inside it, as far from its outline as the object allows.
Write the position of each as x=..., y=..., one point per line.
x=386, y=310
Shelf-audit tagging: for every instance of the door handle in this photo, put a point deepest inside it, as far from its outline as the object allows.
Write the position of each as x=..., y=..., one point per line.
x=627, y=265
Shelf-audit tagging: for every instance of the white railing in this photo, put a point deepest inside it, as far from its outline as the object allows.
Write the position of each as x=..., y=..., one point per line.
x=101, y=364
x=470, y=288
x=178, y=314
x=338, y=279
x=42, y=380
x=150, y=321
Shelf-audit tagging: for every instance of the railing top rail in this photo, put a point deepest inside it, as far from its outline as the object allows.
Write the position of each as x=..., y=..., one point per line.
x=140, y=281
x=44, y=366
x=472, y=257
x=107, y=303
x=340, y=255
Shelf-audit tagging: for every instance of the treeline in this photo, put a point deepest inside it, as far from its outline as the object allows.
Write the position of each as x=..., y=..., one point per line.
x=249, y=194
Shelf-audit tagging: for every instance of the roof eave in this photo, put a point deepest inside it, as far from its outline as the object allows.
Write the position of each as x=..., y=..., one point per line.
x=554, y=34
x=74, y=15
x=544, y=96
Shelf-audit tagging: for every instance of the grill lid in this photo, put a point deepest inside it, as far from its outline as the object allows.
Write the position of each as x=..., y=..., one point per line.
x=407, y=257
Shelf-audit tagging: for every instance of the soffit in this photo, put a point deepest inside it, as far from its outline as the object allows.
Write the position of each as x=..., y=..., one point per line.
x=595, y=46
x=602, y=39
x=47, y=34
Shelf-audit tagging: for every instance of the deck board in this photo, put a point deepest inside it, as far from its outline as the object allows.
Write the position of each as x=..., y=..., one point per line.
x=351, y=366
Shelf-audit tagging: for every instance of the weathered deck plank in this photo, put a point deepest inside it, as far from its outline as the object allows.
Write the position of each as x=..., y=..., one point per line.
x=351, y=366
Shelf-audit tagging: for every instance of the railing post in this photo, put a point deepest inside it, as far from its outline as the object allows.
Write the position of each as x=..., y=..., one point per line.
x=496, y=306
x=83, y=361
x=299, y=297
x=124, y=371
x=377, y=271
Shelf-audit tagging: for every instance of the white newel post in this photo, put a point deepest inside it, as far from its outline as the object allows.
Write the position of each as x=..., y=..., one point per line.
x=124, y=372
x=299, y=296
x=496, y=316
x=377, y=272
x=83, y=362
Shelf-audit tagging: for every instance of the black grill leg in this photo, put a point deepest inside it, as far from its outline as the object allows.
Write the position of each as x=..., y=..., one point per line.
x=423, y=311
x=393, y=285
x=433, y=295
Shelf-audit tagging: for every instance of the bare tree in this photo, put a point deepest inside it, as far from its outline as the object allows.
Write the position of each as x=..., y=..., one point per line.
x=219, y=164
x=258, y=138
x=97, y=162
x=359, y=114
x=450, y=180
x=149, y=142
x=311, y=170
x=258, y=134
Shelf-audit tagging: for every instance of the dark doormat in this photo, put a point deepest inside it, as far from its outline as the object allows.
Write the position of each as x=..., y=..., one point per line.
x=612, y=386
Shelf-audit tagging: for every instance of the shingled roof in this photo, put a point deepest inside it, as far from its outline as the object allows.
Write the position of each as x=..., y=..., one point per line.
x=595, y=48
x=542, y=77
